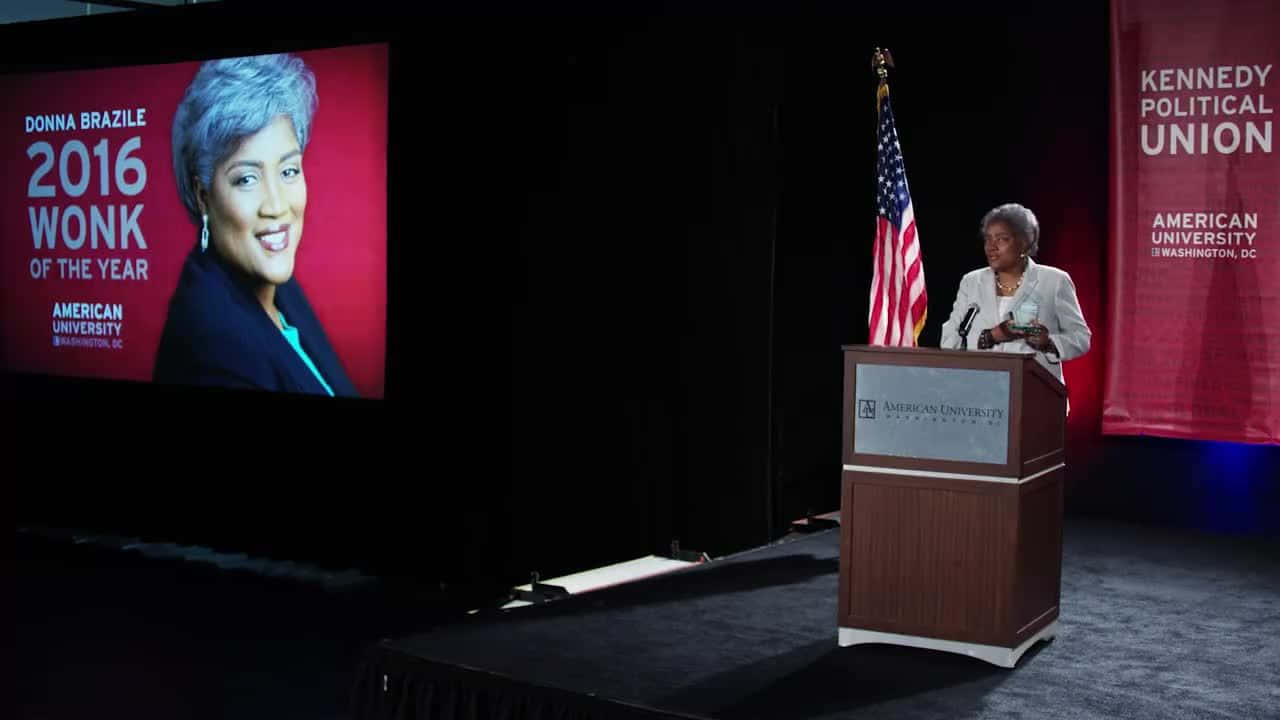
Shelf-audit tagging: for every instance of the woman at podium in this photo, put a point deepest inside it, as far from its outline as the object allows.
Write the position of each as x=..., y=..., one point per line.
x=1015, y=304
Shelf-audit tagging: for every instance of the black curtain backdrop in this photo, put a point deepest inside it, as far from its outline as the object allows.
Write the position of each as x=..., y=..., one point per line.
x=625, y=251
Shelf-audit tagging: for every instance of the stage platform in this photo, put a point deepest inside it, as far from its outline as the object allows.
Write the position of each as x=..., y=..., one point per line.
x=1154, y=624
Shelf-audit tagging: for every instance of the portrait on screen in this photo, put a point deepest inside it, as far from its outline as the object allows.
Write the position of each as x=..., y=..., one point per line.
x=238, y=317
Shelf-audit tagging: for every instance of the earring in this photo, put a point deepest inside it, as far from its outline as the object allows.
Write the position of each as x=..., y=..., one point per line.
x=204, y=233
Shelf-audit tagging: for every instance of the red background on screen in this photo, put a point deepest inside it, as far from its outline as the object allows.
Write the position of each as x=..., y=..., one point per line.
x=341, y=261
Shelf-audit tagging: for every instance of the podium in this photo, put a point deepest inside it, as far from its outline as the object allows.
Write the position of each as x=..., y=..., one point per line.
x=951, y=501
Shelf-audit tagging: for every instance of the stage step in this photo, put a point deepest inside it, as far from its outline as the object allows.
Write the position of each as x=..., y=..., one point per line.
x=814, y=523
x=594, y=579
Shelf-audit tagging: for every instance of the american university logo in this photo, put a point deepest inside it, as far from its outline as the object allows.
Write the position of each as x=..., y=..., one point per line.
x=867, y=409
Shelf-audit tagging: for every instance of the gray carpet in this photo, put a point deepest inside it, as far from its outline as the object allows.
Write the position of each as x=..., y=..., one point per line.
x=1154, y=624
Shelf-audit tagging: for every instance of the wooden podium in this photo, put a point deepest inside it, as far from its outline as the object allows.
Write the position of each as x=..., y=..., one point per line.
x=951, y=501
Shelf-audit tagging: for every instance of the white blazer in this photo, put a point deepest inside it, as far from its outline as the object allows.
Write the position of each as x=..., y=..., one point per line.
x=1048, y=287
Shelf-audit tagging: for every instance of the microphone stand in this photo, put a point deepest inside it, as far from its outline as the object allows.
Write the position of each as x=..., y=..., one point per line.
x=966, y=325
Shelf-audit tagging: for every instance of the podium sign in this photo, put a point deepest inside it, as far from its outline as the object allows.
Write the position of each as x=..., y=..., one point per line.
x=932, y=412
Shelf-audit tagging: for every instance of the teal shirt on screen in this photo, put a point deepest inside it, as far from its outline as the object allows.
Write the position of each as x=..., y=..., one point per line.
x=291, y=334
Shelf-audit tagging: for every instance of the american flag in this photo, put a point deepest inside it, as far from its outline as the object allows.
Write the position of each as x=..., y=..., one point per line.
x=899, y=302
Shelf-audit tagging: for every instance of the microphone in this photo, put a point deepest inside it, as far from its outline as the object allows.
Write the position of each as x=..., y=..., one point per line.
x=966, y=324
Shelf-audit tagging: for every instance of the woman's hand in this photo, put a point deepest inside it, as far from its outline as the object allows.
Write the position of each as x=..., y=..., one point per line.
x=1038, y=338
x=1004, y=332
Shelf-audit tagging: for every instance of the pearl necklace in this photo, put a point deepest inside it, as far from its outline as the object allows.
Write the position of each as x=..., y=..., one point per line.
x=1006, y=288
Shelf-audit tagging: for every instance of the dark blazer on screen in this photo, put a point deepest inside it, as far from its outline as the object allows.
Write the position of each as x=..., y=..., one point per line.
x=218, y=334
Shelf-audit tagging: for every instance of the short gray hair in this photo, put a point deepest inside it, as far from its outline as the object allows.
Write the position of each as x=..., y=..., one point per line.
x=230, y=100
x=1020, y=220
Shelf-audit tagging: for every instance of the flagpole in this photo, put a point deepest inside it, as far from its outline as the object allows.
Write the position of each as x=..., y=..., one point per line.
x=881, y=61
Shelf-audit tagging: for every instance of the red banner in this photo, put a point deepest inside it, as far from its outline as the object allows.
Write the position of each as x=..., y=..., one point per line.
x=1194, y=332
x=94, y=233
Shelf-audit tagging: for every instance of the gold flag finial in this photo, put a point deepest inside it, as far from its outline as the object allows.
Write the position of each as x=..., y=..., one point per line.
x=881, y=61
